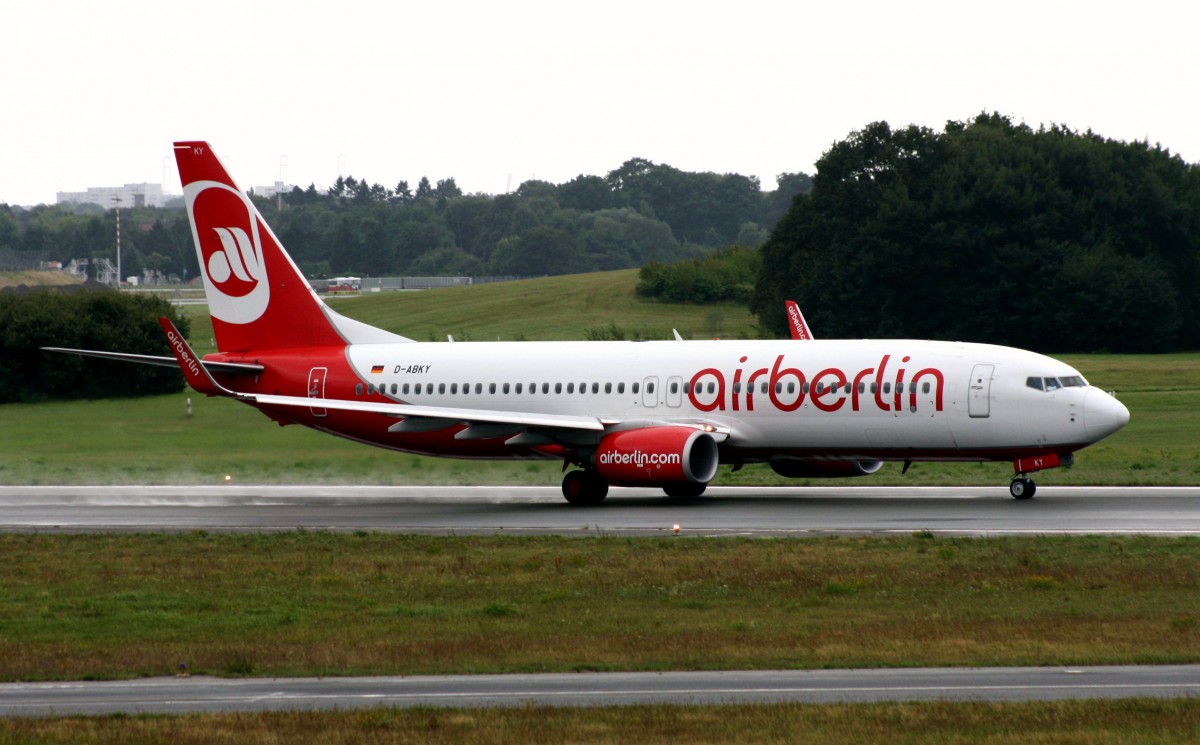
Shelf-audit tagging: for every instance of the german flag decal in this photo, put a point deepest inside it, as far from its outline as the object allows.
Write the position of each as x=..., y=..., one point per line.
x=376, y=369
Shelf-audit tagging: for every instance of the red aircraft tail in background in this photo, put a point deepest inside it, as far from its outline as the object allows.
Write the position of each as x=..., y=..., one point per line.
x=796, y=323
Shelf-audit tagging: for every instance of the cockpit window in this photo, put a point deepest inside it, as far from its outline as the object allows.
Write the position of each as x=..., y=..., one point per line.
x=1053, y=384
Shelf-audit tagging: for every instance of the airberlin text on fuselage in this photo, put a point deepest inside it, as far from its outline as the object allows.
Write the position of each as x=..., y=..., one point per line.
x=828, y=390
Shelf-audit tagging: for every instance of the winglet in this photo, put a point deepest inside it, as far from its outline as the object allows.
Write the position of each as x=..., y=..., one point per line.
x=194, y=373
x=796, y=324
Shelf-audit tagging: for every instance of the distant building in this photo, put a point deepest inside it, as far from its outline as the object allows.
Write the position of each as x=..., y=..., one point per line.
x=131, y=195
x=274, y=190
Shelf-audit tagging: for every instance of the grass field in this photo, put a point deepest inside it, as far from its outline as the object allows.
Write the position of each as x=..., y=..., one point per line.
x=1084, y=722
x=114, y=606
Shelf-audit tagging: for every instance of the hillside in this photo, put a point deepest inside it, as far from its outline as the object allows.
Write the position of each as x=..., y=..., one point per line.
x=576, y=306
x=36, y=279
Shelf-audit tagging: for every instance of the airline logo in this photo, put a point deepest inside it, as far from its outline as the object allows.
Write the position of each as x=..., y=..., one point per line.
x=639, y=458
x=231, y=254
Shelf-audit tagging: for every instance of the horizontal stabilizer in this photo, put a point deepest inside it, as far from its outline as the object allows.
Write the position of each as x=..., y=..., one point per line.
x=229, y=368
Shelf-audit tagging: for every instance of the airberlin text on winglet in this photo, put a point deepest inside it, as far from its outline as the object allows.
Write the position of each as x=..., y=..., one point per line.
x=868, y=385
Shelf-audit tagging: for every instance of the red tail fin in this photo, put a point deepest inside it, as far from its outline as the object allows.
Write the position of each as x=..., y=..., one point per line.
x=257, y=296
x=796, y=323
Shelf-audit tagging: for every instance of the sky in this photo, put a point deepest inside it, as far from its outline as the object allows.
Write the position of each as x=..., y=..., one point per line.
x=496, y=93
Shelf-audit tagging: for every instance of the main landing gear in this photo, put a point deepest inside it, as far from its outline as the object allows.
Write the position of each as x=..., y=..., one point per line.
x=1022, y=488
x=584, y=488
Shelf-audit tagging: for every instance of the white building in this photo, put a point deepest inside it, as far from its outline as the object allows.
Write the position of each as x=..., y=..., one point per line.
x=131, y=195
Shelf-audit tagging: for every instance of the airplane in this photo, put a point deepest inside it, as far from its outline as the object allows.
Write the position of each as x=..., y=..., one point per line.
x=659, y=414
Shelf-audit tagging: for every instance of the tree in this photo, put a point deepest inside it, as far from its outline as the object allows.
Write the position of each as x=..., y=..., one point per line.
x=990, y=231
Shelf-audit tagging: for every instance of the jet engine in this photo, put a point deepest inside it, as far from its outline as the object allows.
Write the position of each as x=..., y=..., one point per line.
x=805, y=468
x=657, y=456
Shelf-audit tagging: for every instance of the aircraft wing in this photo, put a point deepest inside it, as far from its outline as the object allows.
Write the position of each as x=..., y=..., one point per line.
x=443, y=413
x=150, y=359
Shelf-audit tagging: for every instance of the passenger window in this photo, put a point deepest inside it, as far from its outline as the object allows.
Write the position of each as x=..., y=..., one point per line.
x=899, y=388
x=874, y=388
x=506, y=388
x=595, y=387
x=635, y=388
x=441, y=388
x=779, y=387
x=791, y=388
x=620, y=387
x=737, y=387
x=405, y=389
x=454, y=388
x=545, y=387
x=862, y=387
x=570, y=387
x=887, y=388
x=478, y=388
x=608, y=387
x=712, y=388
x=764, y=386
x=650, y=388
x=417, y=388
x=558, y=387
x=925, y=387
x=820, y=388
x=491, y=387
x=358, y=389
x=518, y=388
x=370, y=389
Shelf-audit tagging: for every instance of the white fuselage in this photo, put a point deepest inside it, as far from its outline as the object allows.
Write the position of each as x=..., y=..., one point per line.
x=845, y=398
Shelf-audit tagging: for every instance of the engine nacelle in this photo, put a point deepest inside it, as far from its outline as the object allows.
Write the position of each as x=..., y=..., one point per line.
x=657, y=456
x=802, y=468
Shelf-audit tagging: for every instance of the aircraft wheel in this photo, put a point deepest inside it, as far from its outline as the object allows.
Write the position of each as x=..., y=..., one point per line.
x=685, y=490
x=1022, y=489
x=584, y=488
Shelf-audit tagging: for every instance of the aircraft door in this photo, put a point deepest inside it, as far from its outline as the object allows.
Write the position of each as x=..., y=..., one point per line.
x=674, y=391
x=316, y=387
x=650, y=392
x=979, y=398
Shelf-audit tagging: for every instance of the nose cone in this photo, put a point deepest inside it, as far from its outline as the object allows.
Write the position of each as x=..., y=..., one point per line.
x=1102, y=414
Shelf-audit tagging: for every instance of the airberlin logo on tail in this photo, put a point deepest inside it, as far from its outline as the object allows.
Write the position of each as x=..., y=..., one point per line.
x=231, y=254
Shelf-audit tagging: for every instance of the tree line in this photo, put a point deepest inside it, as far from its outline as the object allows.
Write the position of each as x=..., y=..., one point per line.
x=86, y=317
x=1047, y=239
x=638, y=213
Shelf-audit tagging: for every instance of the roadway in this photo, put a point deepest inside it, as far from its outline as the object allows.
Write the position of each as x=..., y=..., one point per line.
x=723, y=511
x=202, y=694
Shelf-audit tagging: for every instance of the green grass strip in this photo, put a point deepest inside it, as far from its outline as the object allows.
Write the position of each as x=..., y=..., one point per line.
x=117, y=606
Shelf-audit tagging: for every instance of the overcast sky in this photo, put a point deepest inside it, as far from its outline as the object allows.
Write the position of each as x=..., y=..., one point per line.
x=495, y=93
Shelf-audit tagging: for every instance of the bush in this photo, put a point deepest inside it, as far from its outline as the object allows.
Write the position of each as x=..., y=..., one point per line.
x=99, y=319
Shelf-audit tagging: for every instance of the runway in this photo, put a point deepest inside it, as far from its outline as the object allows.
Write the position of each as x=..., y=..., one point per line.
x=190, y=695
x=723, y=511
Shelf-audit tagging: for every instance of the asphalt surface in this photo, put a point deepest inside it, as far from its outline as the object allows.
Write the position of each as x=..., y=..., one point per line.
x=188, y=695
x=539, y=510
